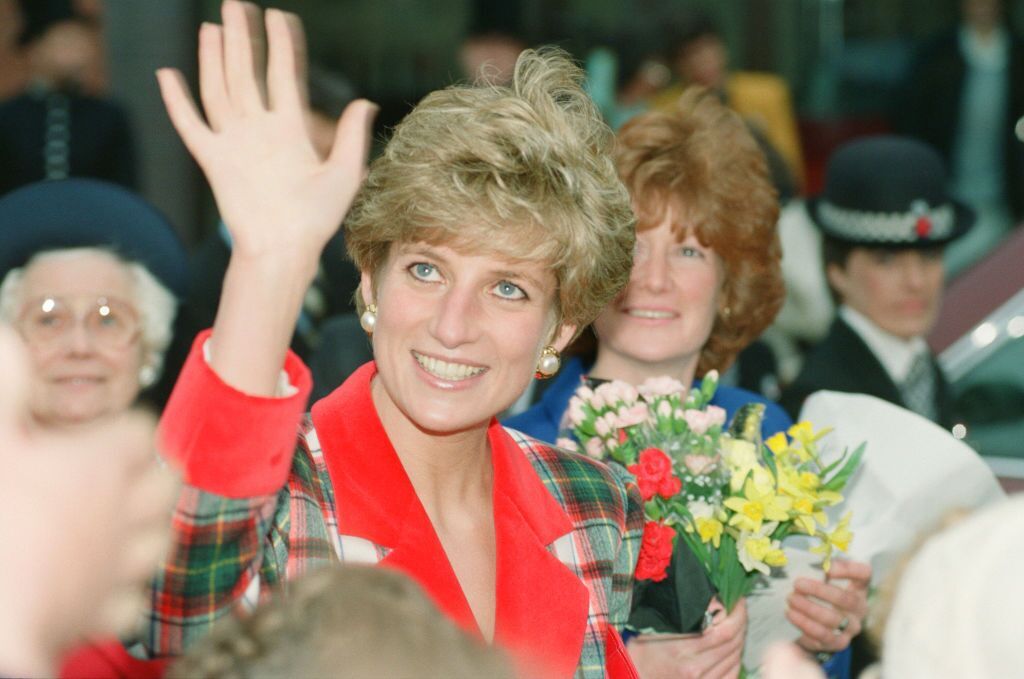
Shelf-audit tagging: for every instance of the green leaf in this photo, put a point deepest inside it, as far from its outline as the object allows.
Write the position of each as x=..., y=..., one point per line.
x=838, y=481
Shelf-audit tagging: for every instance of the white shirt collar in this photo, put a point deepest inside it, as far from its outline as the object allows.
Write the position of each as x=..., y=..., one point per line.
x=894, y=353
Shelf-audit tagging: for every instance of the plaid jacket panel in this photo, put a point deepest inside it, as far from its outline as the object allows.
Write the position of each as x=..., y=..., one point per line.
x=231, y=553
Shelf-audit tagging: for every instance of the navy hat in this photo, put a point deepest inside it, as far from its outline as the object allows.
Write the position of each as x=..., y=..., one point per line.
x=74, y=213
x=888, y=191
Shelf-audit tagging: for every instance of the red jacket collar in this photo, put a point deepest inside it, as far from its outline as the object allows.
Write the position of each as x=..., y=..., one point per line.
x=542, y=606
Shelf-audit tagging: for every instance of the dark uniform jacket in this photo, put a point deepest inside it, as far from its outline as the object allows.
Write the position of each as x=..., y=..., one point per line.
x=843, y=362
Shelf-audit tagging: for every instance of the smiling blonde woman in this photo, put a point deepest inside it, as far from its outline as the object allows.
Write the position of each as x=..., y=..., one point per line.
x=492, y=227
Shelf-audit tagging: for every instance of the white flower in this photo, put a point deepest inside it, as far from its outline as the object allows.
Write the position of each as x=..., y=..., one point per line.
x=700, y=509
x=602, y=426
x=595, y=448
x=664, y=409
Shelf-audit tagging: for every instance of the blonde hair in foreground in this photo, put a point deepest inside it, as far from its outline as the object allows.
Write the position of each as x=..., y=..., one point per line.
x=345, y=622
x=522, y=171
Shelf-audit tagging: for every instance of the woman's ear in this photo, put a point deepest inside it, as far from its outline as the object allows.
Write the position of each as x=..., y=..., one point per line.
x=837, y=278
x=366, y=288
x=564, y=334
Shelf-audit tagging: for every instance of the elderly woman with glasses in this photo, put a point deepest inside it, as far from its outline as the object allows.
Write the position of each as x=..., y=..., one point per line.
x=90, y=274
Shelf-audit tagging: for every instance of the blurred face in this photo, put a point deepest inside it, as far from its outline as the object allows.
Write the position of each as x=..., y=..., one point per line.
x=458, y=336
x=900, y=291
x=983, y=15
x=85, y=356
x=663, y=319
x=704, y=62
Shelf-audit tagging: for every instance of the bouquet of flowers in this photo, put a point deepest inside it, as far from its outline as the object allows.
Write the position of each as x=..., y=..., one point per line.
x=731, y=497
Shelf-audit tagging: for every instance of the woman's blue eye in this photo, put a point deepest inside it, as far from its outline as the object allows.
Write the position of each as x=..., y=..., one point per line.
x=688, y=251
x=508, y=290
x=423, y=271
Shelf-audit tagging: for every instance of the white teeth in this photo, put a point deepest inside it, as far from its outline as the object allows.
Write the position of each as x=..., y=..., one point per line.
x=452, y=372
x=650, y=313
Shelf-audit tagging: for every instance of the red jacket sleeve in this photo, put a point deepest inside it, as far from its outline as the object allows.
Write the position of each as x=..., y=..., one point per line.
x=227, y=442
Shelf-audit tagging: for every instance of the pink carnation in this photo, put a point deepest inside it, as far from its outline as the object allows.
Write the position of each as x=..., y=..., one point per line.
x=698, y=420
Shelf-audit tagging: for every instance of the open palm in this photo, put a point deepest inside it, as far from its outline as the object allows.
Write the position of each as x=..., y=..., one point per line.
x=273, y=190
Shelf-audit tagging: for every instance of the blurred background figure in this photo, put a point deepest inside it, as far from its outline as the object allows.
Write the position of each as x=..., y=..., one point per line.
x=93, y=516
x=62, y=123
x=698, y=55
x=490, y=57
x=13, y=60
x=492, y=42
x=91, y=275
x=963, y=97
x=346, y=622
x=886, y=216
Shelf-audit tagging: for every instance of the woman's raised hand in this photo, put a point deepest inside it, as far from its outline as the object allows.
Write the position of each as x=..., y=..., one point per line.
x=273, y=190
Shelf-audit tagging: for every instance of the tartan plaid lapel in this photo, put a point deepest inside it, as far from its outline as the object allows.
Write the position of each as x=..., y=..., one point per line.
x=542, y=605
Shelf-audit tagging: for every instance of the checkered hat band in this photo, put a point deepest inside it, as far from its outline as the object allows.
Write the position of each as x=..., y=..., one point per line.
x=886, y=227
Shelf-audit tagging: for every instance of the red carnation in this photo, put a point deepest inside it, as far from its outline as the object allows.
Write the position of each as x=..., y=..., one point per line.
x=655, y=551
x=653, y=474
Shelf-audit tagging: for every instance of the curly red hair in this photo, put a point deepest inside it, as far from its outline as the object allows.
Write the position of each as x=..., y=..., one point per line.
x=702, y=160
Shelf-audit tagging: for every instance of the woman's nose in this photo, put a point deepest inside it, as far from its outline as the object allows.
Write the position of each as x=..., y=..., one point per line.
x=653, y=272
x=457, y=318
x=79, y=339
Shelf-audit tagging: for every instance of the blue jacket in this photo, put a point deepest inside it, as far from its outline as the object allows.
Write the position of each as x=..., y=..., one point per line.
x=541, y=420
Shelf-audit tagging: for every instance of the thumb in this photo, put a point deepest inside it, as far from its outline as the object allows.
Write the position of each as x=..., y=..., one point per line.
x=352, y=140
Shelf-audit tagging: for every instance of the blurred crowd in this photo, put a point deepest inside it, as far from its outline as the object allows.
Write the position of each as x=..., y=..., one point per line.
x=724, y=246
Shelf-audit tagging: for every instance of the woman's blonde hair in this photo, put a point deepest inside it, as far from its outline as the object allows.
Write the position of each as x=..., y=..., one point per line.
x=702, y=161
x=522, y=171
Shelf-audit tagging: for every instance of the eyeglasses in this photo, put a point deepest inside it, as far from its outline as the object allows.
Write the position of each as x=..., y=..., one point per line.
x=110, y=322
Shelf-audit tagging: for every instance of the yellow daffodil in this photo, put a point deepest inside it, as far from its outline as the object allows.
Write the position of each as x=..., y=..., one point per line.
x=805, y=515
x=777, y=443
x=758, y=503
x=802, y=431
x=710, y=530
x=839, y=539
x=758, y=552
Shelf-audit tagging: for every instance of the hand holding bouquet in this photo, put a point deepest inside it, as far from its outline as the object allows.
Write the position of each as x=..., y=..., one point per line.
x=730, y=496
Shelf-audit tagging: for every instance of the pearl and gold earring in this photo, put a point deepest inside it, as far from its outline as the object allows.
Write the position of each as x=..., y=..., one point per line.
x=368, y=319
x=548, y=364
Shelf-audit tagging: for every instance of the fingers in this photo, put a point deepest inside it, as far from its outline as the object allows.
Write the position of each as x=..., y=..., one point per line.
x=352, y=140
x=848, y=599
x=183, y=113
x=820, y=627
x=243, y=56
x=857, y=572
x=286, y=67
x=212, y=88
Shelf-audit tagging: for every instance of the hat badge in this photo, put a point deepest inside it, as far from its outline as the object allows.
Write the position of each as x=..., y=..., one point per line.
x=923, y=222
